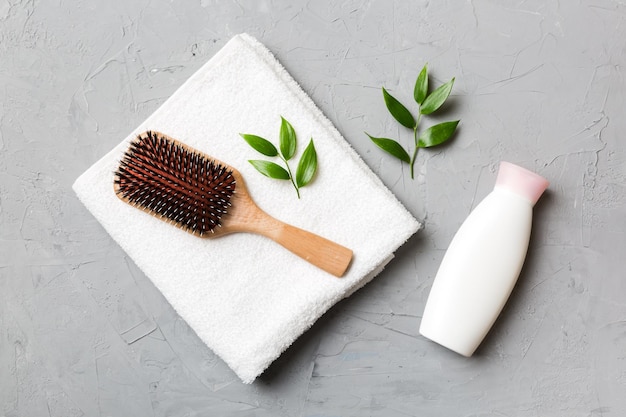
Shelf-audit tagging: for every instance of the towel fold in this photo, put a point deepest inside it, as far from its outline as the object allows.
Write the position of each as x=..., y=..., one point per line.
x=245, y=296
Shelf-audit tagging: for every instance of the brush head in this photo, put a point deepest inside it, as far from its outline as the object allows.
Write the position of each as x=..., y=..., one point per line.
x=175, y=183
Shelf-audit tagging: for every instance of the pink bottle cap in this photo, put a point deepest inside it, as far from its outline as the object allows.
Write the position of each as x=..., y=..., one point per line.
x=521, y=181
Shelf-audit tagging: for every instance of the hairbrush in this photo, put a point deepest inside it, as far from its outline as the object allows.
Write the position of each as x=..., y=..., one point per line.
x=208, y=198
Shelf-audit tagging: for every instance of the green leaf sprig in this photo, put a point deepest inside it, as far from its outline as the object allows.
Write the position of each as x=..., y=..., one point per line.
x=427, y=104
x=307, y=165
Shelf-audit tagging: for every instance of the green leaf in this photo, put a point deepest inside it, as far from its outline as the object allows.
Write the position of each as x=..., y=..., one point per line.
x=307, y=165
x=270, y=169
x=421, y=85
x=437, y=134
x=392, y=147
x=287, y=139
x=261, y=145
x=436, y=98
x=398, y=111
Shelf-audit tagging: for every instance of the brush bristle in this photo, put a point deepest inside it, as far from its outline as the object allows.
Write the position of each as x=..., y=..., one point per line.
x=175, y=183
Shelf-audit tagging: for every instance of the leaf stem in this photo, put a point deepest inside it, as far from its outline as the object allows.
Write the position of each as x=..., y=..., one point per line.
x=414, y=157
x=290, y=176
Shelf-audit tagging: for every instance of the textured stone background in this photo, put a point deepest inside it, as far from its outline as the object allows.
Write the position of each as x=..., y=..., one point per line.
x=541, y=83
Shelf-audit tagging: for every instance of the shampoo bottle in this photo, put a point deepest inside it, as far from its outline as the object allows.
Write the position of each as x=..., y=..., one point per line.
x=482, y=263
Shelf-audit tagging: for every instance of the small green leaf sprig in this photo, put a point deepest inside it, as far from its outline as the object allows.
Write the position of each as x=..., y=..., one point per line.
x=307, y=165
x=427, y=104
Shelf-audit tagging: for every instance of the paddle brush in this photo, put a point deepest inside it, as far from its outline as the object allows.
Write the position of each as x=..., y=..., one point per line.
x=208, y=198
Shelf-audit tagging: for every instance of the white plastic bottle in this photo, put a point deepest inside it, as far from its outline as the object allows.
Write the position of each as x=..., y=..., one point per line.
x=483, y=262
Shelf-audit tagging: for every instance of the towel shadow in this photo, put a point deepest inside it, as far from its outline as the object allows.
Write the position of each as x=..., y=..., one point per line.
x=298, y=361
x=298, y=357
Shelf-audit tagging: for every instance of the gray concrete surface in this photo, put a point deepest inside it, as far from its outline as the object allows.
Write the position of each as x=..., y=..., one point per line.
x=84, y=333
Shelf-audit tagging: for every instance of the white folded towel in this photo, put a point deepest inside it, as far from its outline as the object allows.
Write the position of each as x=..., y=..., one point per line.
x=245, y=296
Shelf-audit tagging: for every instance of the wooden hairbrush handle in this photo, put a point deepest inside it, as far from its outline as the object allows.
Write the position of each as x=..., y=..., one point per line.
x=323, y=253
x=246, y=216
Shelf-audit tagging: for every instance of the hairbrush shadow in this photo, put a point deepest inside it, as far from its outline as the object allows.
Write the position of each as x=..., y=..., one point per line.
x=208, y=198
